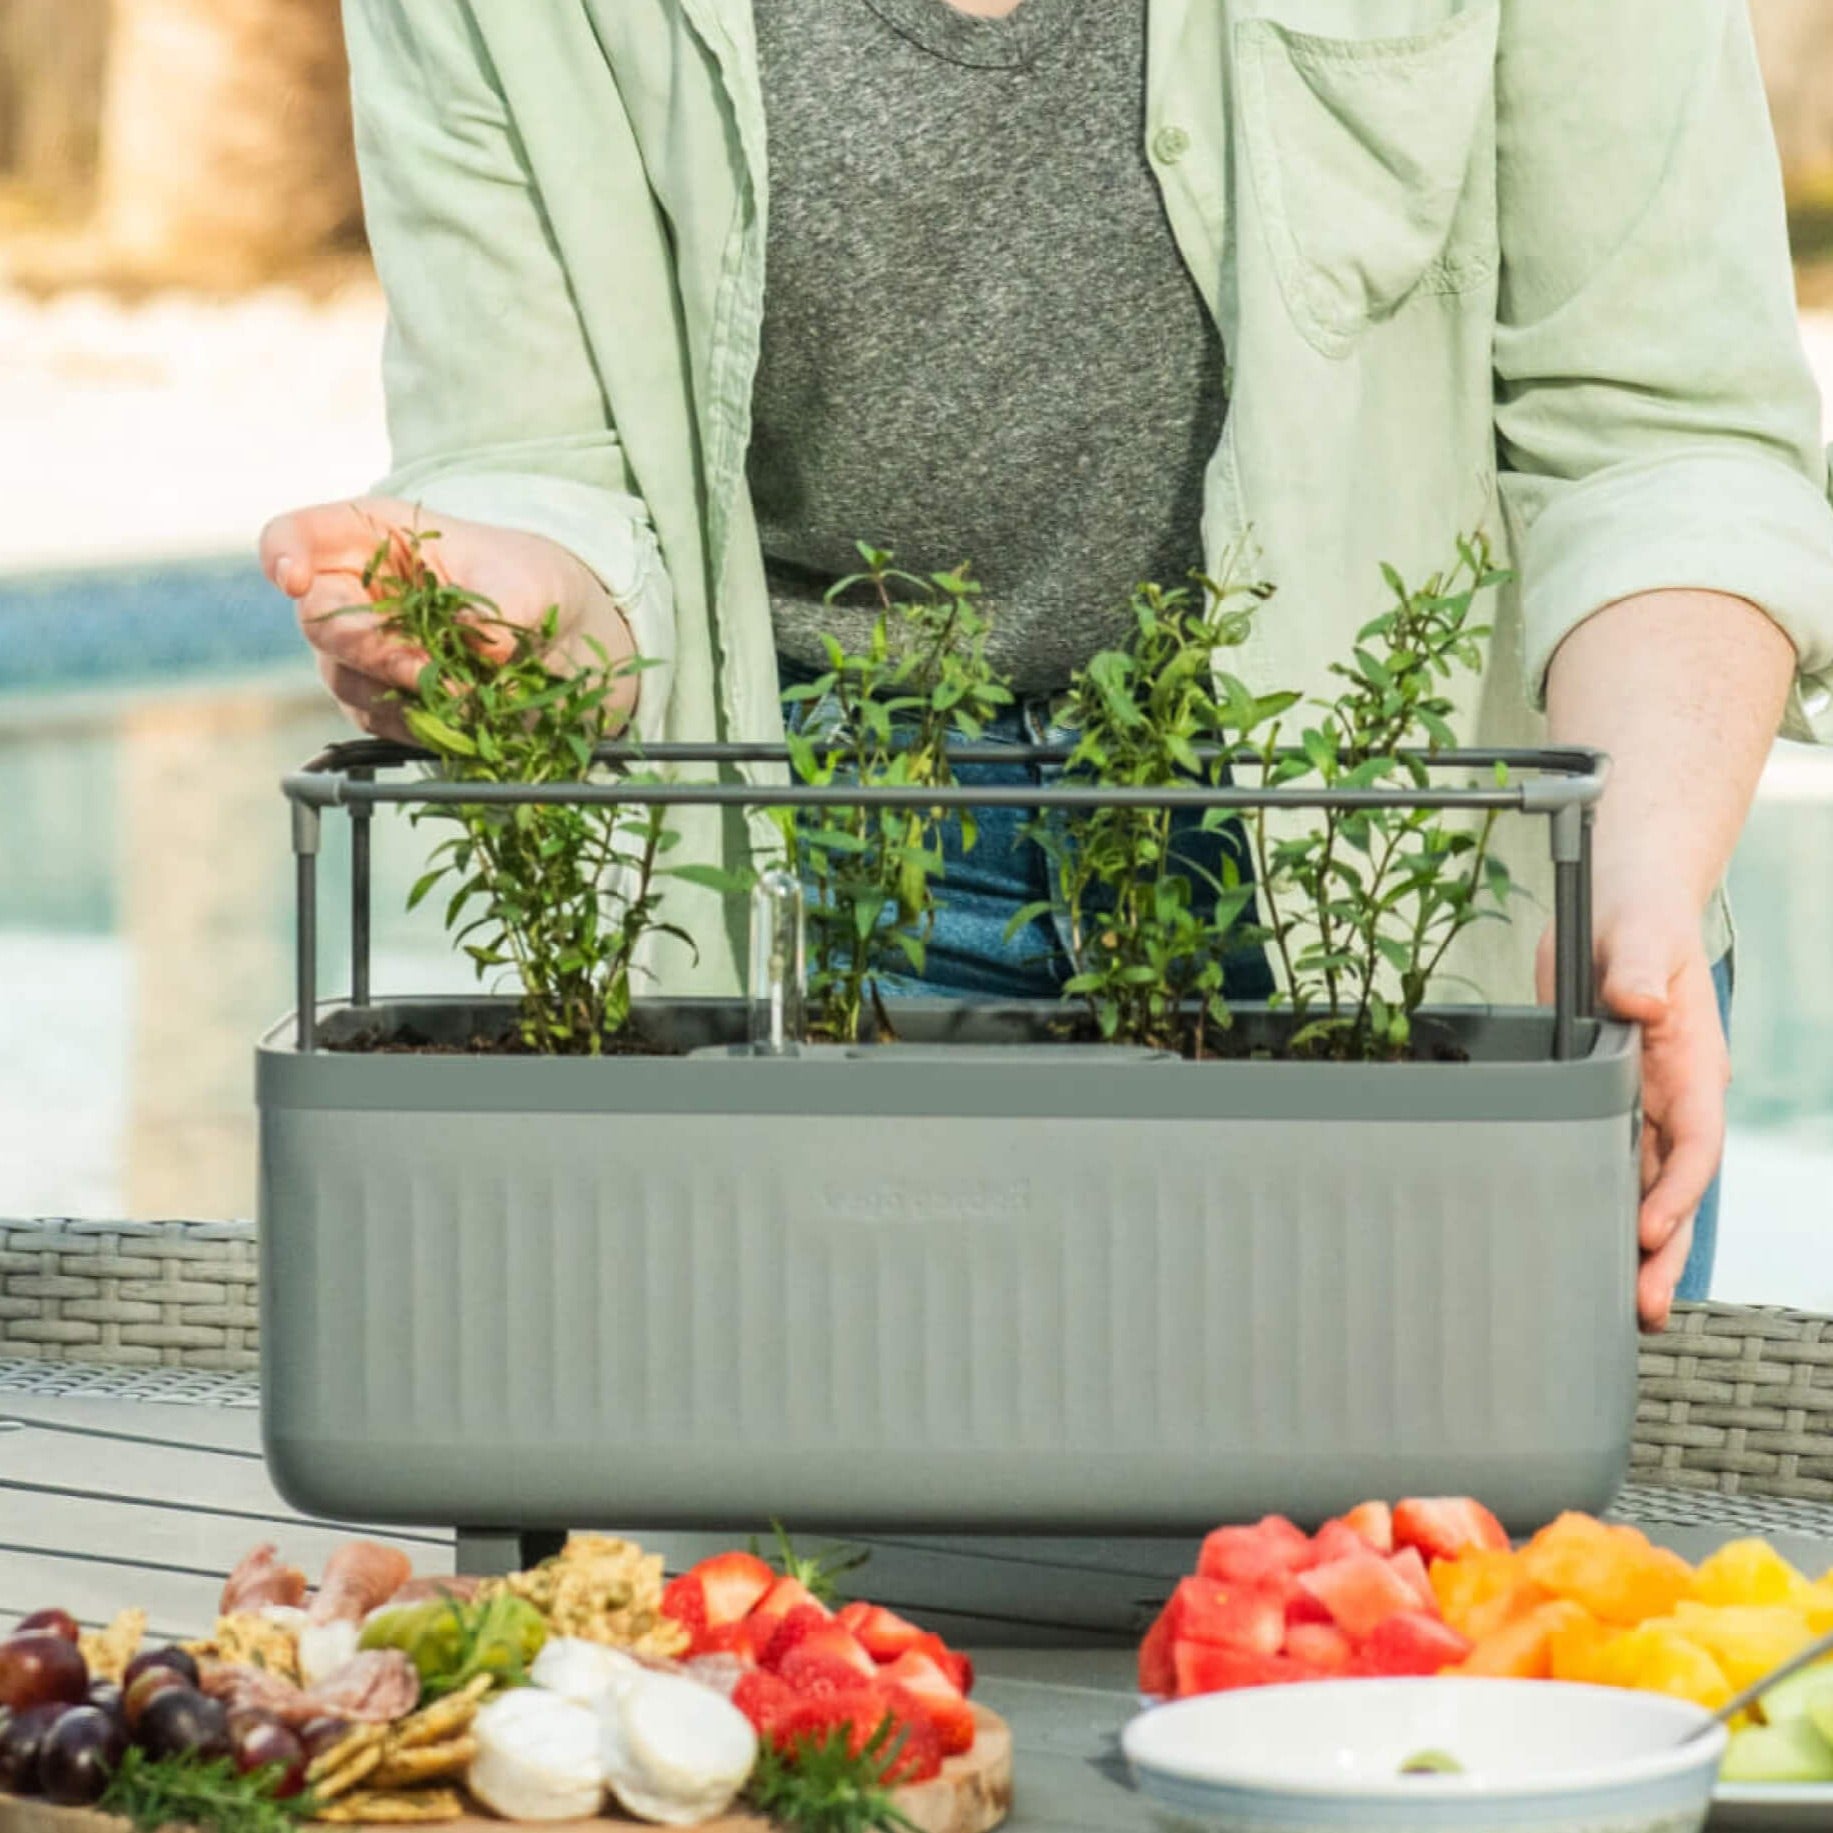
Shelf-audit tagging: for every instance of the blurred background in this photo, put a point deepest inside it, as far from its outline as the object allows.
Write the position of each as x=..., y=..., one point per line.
x=189, y=341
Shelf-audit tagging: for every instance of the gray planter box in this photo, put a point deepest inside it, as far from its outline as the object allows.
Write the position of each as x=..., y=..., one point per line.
x=975, y=1281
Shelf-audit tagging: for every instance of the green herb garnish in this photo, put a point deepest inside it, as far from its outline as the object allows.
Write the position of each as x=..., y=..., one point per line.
x=825, y=1786
x=212, y=1797
x=816, y=1572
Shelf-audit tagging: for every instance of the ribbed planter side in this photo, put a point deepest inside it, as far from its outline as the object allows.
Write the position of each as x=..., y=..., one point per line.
x=137, y=1294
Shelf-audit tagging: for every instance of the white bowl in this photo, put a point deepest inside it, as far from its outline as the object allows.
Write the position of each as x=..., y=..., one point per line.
x=1537, y=1756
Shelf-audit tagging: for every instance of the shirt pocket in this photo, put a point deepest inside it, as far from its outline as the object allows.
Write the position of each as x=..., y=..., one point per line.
x=1373, y=160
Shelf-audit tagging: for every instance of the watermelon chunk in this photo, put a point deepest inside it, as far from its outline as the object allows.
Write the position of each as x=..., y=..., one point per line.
x=1203, y=1668
x=1320, y=1645
x=1337, y=1540
x=1228, y=1616
x=1302, y=1607
x=1442, y=1527
x=1411, y=1567
x=1412, y=1643
x=1157, y=1668
x=1260, y=1555
x=1360, y=1593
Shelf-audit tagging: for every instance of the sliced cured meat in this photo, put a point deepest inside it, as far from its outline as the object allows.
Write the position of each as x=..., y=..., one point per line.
x=373, y=1687
x=261, y=1579
x=378, y=1685
x=360, y=1575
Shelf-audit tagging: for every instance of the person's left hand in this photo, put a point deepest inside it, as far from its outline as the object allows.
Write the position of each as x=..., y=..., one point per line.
x=1652, y=971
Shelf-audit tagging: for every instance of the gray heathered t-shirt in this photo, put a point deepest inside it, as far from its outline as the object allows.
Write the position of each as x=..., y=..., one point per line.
x=980, y=341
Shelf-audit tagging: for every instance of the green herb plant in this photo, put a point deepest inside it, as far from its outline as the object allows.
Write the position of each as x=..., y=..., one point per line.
x=561, y=894
x=1363, y=907
x=1151, y=925
x=884, y=718
x=206, y=1797
x=822, y=1785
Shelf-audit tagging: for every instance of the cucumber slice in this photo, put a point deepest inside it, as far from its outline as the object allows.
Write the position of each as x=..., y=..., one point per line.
x=1794, y=1752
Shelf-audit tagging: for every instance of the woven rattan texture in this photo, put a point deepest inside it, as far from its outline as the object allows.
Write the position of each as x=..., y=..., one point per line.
x=1739, y=1401
x=130, y=1294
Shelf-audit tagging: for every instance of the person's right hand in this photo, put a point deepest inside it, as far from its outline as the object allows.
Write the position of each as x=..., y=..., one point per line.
x=317, y=557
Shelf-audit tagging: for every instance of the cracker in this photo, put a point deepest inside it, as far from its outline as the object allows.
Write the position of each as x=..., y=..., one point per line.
x=445, y=1762
x=359, y=1766
x=444, y=1718
x=108, y=1651
x=411, y=1808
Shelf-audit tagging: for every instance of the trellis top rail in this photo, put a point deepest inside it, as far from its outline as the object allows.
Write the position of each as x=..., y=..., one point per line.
x=1564, y=780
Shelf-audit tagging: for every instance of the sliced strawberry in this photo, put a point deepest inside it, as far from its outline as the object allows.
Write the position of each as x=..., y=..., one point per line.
x=957, y=1666
x=1442, y=1527
x=916, y=1744
x=732, y=1583
x=785, y=1595
x=1360, y=1592
x=1203, y=1668
x=737, y=1639
x=827, y=1658
x=1157, y=1671
x=685, y=1601
x=1374, y=1521
x=1319, y=1645
x=911, y=1748
x=1413, y=1643
x=802, y=1621
x=1255, y=1555
x=882, y=1633
x=1412, y=1568
x=1228, y=1616
x=929, y=1685
x=764, y=1699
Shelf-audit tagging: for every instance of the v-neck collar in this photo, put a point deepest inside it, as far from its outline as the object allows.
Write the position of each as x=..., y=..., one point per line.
x=1006, y=43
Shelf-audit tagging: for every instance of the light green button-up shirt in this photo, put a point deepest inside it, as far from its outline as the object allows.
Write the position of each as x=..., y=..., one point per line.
x=1511, y=264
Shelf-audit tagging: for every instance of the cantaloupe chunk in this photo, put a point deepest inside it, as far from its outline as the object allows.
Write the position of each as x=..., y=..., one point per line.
x=1523, y=1649
x=1615, y=1572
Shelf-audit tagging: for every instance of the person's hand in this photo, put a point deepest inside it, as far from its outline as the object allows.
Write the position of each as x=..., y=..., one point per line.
x=317, y=557
x=1652, y=971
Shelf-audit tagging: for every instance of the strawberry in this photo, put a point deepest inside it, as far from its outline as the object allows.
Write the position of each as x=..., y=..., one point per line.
x=882, y=1633
x=1442, y=1527
x=732, y=1583
x=957, y=1666
x=735, y=1639
x=685, y=1601
x=826, y=1660
x=917, y=1743
x=785, y=1595
x=920, y=1676
x=802, y=1621
x=1374, y=1521
x=763, y=1699
x=910, y=1748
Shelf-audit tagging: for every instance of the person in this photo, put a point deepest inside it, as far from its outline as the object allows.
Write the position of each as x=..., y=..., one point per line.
x=686, y=295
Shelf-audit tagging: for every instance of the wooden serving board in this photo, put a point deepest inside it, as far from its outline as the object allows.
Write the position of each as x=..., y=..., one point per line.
x=973, y=1794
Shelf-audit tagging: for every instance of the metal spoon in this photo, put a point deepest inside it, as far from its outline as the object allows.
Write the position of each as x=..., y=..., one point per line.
x=1803, y=1658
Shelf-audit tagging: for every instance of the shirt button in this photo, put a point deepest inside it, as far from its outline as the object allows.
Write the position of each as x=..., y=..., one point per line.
x=1169, y=145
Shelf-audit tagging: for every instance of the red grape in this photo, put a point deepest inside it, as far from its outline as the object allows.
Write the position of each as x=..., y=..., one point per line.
x=80, y=1754
x=38, y=1668
x=174, y=1658
x=20, y=1742
x=264, y=1745
x=145, y=1688
x=319, y=1734
x=181, y=1723
x=54, y=1622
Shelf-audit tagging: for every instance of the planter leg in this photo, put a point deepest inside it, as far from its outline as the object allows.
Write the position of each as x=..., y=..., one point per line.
x=492, y=1552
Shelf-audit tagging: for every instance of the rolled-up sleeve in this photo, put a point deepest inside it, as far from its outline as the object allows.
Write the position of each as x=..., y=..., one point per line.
x=496, y=409
x=1658, y=426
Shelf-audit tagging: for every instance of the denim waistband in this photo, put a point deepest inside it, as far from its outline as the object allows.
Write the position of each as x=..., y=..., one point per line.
x=1030, y=720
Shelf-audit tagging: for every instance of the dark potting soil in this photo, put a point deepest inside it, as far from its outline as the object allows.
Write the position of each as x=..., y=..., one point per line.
x=407, y=1041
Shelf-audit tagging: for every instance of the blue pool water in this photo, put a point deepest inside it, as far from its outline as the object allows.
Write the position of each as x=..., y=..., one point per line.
x=146, y=717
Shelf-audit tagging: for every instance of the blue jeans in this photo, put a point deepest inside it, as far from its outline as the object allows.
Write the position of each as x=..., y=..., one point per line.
x=1696, y=1280
x=968, y=955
